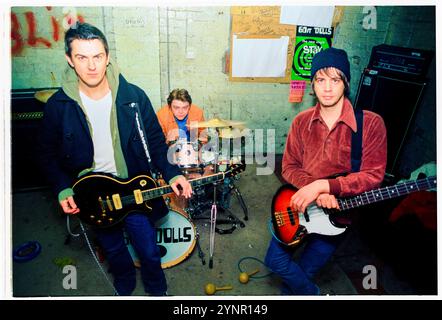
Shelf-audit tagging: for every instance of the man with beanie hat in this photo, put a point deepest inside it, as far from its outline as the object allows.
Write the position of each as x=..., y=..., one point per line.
x=318, y=147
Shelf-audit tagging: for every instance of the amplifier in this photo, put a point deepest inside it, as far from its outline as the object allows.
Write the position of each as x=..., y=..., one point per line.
x=26, y=118
x=393, y=60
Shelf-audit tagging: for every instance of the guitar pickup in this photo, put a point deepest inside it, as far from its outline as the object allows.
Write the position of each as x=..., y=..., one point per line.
x=109, y=204
x=138, y=196
x=117, y=201
x=100, y=201
x=291, y=216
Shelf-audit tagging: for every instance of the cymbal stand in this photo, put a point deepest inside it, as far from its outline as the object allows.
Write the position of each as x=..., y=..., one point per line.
x=200, y=251
x=213, y=213
x=241, y=201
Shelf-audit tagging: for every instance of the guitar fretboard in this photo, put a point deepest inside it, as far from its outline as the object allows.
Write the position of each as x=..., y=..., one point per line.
x=385, y=193
x=160, y=191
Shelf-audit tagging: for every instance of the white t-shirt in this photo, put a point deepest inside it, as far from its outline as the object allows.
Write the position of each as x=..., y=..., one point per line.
x=99, y=114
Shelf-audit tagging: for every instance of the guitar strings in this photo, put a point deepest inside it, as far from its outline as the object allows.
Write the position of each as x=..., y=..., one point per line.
x=382, y=191
x=159, y=191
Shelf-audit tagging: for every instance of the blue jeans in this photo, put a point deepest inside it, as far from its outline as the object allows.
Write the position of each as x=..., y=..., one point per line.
x=142, y=235
x=297, y=276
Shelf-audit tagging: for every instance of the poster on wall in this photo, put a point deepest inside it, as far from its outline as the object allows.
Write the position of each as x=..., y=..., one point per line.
x=309, y=41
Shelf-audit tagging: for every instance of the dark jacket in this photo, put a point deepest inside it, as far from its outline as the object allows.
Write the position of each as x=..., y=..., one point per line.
x=67, y=148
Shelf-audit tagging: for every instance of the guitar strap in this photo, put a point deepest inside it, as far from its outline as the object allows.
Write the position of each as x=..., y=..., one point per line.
x=143, y=137
x=356, y=142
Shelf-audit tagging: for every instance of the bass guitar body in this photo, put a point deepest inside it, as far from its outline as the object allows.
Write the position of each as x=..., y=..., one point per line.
x=290, y=227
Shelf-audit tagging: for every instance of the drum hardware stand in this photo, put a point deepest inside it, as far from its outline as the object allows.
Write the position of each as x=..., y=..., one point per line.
x=241, y=201
x=213, y=213
x=196, y=213
x=231, y=185
x=200, y=251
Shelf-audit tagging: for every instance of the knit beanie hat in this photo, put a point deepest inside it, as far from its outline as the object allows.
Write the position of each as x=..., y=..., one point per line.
x=331, y=57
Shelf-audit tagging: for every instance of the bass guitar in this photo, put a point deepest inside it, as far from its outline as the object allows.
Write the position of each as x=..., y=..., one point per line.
x=105, y=200
x=290, y=227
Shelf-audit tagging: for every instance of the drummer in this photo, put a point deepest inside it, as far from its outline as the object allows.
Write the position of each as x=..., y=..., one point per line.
x=177, y=115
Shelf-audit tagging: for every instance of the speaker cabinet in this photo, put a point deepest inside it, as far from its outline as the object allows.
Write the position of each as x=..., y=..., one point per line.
x=26, y=118
x=396, y=100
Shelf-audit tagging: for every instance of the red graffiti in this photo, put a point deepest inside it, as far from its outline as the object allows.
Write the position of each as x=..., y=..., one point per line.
x=55, y=28
x=17, y=40
x=32, y=39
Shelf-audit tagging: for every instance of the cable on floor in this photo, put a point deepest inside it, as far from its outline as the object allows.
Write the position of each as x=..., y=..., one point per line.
x=255, y=259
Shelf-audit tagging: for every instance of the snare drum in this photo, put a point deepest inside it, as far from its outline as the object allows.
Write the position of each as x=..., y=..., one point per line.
x=176, y=237
x=186, y=154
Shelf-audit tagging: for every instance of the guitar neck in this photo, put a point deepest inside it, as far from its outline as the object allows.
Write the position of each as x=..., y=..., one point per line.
x=160, y=191
x=385, y=193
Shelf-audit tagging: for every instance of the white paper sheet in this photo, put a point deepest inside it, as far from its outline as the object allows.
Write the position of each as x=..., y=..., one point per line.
x=259, y=57
x=312, y=16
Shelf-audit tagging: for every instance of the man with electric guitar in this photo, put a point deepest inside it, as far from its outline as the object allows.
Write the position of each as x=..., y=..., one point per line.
x=320, y=145
x=102, y=131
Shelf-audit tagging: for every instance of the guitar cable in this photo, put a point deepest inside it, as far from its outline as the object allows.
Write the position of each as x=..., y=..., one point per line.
x=91, y=251
x=68, y=227
x=256, y=259
x=270, y=226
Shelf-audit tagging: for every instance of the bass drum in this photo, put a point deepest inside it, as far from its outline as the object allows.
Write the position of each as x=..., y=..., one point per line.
x=176, y=237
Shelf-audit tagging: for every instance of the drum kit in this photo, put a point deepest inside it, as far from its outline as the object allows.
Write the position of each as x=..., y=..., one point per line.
x=196, y=160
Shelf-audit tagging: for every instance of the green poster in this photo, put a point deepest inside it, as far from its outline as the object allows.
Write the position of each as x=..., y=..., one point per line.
x=309, y=41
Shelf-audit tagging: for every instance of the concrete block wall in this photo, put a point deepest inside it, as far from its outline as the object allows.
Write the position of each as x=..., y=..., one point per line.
x=161, y=48
x=137, y=47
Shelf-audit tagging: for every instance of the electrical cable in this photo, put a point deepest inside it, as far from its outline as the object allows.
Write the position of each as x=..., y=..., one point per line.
x=96, y=260
x=27, y=251
x=256, y=259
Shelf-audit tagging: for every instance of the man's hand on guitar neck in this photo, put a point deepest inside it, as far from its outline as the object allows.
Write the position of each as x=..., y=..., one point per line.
x=181, y=184
x=68, y=205
x=309, y=193
x=326, y=200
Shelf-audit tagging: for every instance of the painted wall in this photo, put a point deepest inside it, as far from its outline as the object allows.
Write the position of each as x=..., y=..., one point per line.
x=164, y=48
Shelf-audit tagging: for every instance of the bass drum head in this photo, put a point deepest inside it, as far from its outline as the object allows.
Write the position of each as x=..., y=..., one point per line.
x=176, y=238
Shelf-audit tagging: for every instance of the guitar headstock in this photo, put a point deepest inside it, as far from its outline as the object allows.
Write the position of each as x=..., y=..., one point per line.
x=235, y=169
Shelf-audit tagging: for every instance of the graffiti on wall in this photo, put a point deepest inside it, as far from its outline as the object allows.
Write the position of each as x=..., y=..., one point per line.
x=27, y=33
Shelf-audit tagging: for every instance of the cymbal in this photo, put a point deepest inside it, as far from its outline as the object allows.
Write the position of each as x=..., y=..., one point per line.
x=216, y=123
x=228, y=133
x=44, y=95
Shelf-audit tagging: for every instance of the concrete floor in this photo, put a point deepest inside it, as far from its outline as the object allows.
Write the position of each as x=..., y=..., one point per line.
x=36, y=217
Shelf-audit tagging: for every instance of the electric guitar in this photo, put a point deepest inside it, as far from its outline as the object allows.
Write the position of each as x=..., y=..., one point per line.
x=290, y=227
x=105, y=200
